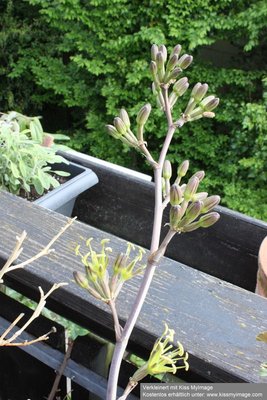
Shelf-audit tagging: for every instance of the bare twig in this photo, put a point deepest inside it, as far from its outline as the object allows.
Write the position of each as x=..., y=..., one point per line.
x=36, y=313
x=9, y=267
x=61, y=370
x=18, y=249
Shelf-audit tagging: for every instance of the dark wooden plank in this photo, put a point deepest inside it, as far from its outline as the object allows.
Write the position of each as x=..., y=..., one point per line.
x=129, y=201
x=216, y=321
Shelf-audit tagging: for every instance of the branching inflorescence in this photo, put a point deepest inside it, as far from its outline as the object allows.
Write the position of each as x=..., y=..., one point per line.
x=189, y=210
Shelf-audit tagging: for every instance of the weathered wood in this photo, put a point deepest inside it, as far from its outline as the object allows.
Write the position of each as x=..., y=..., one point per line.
x=123, y=205
x=216, y=321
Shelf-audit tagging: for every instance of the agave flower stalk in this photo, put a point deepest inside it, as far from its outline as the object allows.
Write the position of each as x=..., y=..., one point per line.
x=187, y=206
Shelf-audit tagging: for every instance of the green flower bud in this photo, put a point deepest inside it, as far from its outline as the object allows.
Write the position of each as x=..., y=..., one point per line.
x=125, y=118
x=209, y=103
x=175, y=73
x=200, y=175
x=172, y=99
x=185, y=61
x=119, y=263
x=176, y=195
x=167, y=170
x=160, y=60
x=207, y=100
x=163, y=50
x=191, y=188
x=154, y=52
x=208, y=114
x=193, y=212
x=160, y=65
x=190, y=106
x=172, y=62
x=209, y=219
x=199, y=91
x=81, y=279
x=154, y=71
x=176, y=214
x=143, y=114
x=183, y=186
x=181, y=86
x=195, y=89
x=197, y=112
x=176, y=50
x=209, y=203
x=113, y=131
x=191, y=227
x=120, y=125
x=200, y=196
x=183, y=168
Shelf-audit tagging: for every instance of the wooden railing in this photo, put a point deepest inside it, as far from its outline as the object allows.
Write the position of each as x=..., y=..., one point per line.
x=216, y=321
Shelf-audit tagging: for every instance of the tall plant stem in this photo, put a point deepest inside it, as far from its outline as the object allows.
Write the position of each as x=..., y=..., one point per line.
x=140, y=298
x=121, y=345
x=117, y=326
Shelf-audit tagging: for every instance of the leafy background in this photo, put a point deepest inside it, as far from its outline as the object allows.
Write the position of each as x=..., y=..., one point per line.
x=76, y=62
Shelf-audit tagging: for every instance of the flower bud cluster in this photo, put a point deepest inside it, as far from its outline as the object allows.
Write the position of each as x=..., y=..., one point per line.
x=121, y=128
x=163, y=357
x=97, y=280
x=165, y=71
x=190, y=209
x=200, y=106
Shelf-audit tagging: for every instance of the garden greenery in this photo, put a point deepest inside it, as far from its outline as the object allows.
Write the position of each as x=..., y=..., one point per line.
x=25, y=163
x=87, y=57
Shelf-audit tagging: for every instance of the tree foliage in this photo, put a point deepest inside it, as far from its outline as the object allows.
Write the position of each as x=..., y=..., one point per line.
x=90, y=58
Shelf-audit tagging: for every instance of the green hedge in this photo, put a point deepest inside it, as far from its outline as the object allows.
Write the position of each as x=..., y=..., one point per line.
x=90, y=57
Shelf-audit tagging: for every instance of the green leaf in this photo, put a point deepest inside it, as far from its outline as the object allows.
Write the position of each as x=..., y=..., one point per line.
x=38, y=185
x=36, y=130
x=27, y=187
x=60, y=159
x=14, y=170
x=59, y=136
x=23, y=168
x=62, y=173
x=54, y=182
x=44, y=179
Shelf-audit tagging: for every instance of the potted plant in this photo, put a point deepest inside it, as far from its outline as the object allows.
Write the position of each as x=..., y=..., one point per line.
x=31, y=168
x=261, y=287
